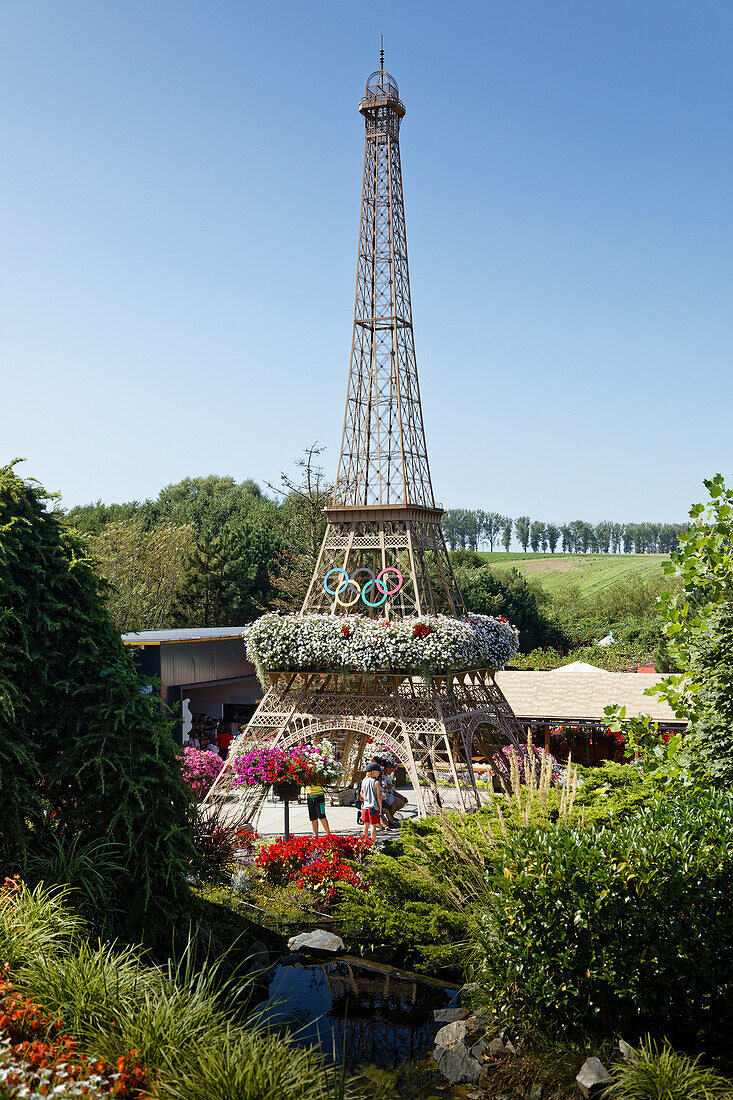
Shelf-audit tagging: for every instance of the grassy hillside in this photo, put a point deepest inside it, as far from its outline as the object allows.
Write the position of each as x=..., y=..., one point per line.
x=589, y=574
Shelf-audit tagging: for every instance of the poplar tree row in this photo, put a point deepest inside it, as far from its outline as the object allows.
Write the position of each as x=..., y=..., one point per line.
x=473, y=529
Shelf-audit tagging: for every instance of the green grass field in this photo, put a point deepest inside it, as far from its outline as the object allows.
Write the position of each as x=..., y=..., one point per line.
x=589, y=573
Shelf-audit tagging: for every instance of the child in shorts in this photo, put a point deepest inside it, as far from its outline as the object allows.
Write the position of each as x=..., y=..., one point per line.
x=371, y=801
x=317, y=809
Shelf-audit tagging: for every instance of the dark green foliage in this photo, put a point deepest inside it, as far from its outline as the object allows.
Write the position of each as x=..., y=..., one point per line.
x=711, y=668
x=467, y=559
x=102, y=762
x=415, y=902
x=626, y=929
x=406, y=910
x=659, y=1073
x=508, y=593
x=238, y=545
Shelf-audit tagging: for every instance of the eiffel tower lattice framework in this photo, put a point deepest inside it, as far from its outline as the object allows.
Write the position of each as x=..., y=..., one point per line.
x=384, y=523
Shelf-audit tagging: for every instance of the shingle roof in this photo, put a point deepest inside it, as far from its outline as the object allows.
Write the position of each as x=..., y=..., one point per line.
x=581, y=691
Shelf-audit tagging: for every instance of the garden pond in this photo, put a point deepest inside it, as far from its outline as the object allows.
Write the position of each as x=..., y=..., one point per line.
x=358, y=1012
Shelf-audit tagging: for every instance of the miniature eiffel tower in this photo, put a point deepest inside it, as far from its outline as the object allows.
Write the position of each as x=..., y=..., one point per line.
x=383, y=515
x=384, y=552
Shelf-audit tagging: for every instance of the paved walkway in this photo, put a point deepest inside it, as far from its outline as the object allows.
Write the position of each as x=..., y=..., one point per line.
x=341, y=819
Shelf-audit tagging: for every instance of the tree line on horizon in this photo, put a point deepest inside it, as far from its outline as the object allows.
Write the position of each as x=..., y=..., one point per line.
x=472, y=529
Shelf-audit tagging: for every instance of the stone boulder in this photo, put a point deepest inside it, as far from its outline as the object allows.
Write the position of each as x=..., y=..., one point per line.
x=593, y=1078
x=318, y=941
x=455, y=1044
x=449, y=1015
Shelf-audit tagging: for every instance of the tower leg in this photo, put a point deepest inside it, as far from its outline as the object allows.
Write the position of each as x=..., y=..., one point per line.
x=454, y=771
x=414, y=775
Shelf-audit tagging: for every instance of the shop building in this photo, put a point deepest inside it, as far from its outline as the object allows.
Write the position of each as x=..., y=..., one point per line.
x=205, y=668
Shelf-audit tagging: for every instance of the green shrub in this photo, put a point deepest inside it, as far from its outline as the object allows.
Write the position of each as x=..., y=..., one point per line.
x=408, y=910
x=103, y=764
x=626, y=928
x=34, y=923
x=507, y=592
x=420, y=896
x=90, y=870
x=184, y=1022
x=251, y=1067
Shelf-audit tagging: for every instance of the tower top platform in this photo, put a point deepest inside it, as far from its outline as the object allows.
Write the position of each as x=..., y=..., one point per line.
x=381, y=90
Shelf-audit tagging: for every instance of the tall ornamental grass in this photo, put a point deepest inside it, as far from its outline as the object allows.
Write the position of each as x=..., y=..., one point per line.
x=183, y=1021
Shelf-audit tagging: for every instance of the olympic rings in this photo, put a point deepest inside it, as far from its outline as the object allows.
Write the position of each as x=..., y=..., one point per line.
x=361, y=591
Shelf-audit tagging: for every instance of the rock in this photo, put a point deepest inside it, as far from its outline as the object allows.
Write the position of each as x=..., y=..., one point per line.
x=457, y=1065
x=293, y=959
x=496, y=1046
x=479, y=1049
x=449, y=1015
x=593, y=1077
x=260, y=955
x=459, y=1031
x=317, y=941
x=533, y=1093
x=627, y=1052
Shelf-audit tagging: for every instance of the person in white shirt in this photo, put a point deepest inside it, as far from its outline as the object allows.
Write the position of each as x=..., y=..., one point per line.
x=371, y=801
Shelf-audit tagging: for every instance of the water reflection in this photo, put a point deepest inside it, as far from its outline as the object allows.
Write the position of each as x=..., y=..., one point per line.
x=357, y=1014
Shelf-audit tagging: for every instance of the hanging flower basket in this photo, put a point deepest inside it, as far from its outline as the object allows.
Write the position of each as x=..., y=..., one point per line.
x=429, y=644
x=291, y=769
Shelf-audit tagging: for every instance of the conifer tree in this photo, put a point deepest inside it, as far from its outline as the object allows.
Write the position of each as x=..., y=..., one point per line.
x=81, y=748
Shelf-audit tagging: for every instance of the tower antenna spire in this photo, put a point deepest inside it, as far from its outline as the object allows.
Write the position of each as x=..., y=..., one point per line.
x=381, y=52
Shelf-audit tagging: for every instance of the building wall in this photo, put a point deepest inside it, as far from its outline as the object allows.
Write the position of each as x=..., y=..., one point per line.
x=201, y=661
x=209, y=700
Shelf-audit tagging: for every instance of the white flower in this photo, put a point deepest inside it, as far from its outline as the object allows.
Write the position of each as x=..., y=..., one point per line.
x=428, y=644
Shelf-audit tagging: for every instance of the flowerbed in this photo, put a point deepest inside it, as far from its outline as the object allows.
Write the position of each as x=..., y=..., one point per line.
x=199, y=770
x=432, y=643
x=38, y=1059
x=315, y=865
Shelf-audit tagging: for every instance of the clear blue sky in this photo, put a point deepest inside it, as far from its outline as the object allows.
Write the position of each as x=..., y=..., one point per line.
x=180, y=186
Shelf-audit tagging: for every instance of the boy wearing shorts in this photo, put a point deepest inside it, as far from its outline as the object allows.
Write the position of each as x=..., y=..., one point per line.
x=371, y=801
x=317, y=809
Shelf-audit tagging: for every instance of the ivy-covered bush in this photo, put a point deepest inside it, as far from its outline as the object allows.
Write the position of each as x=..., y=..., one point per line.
x=82, y=751
x=616, y=930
